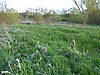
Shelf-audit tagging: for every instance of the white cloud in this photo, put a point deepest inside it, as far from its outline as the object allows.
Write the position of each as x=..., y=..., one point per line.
x=22, y=5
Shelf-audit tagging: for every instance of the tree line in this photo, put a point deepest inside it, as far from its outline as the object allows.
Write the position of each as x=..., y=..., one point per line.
x=85, y=12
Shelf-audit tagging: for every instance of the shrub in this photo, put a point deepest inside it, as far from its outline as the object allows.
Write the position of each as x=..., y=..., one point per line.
x=94, y=17
x=8, y=18
x=38, y=18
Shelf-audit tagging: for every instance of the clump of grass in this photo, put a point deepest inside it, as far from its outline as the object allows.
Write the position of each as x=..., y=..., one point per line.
x=5, y=38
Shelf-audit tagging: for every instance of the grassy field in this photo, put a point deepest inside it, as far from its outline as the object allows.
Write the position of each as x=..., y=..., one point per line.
x=49, y=50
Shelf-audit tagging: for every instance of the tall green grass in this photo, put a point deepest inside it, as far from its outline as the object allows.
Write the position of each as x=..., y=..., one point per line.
x=50, y=50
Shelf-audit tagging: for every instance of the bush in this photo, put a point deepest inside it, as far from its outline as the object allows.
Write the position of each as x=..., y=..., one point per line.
x=8, y=18
x=94, y=17
x=38, y=18
x=76, y=18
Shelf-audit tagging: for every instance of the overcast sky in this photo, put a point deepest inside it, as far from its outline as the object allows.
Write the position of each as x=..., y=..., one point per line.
x=22, y=5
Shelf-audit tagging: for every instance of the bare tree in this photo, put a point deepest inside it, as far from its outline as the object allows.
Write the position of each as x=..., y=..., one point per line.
x=81, y=10
x=3, y=5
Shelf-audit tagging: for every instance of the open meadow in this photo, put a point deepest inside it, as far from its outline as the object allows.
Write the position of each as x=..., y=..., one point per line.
x=49, y=50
